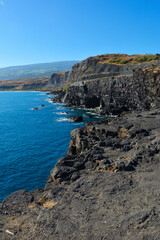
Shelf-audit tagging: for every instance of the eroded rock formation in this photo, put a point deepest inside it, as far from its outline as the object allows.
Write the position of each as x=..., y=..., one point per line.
x=106, y=187
x=113, y=88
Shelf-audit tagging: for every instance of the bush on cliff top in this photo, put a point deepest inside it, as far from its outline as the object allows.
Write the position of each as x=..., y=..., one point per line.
x=127, y=59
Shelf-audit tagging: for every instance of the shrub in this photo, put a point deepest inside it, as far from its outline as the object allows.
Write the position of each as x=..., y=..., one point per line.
x=146, y=58
x=90, y=69
x=65, y=88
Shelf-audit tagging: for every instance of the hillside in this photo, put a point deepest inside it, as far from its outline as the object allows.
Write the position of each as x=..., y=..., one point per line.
x=34, y=84
x=34, y=70
x=102, y=66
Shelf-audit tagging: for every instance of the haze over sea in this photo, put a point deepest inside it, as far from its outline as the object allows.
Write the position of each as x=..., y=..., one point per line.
x=31, y=142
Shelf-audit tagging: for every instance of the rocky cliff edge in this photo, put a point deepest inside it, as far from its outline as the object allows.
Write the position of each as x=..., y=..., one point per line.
x=106, y=187
x=114, y=83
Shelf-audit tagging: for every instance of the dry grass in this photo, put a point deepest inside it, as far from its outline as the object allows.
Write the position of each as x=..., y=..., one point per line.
x=24, y=84
x=123, y=133
x=32, y=205
x=112, y=168
x=90, y=130
x=49, y=204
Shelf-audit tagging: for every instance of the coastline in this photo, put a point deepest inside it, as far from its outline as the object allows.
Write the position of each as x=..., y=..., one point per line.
x=106, y=184
x=28, y=138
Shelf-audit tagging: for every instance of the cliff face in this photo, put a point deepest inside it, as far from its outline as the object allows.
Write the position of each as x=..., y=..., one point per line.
x=96, y=67
x=107, y=185
x=59, y=79
x=99, y=82
x=118, y=93
x=112, y=92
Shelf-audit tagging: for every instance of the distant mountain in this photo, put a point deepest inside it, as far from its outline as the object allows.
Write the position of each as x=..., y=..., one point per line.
x=35, y=70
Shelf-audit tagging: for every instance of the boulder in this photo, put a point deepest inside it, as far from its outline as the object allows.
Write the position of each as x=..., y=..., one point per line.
x=75, y=118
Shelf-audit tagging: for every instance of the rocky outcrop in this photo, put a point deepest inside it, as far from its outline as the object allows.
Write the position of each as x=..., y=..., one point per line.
x=112, y=145
x=59, y=79
x=98, y=67
x=75, y=118
x=106, y=187
x=117, y=94
x=113, y=88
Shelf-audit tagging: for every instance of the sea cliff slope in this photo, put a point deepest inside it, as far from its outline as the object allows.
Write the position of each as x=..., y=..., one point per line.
x=114, y=83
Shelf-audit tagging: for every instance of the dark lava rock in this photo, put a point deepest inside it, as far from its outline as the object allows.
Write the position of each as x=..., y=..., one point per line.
x=107, y=86
x=75, y=118
x=107, y=185
x=89, y=116
x=104, y=188
x=17, y=202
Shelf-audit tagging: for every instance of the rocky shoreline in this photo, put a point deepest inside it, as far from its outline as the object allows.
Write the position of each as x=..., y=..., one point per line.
x=106, y=187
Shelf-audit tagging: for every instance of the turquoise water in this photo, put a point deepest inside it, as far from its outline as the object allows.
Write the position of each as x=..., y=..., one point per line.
x=31, y=142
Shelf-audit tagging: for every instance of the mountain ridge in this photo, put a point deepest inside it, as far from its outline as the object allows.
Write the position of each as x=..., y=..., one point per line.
x=35, y=70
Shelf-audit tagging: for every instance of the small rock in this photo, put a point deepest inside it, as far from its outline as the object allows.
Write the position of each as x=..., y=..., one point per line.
x=75, y=118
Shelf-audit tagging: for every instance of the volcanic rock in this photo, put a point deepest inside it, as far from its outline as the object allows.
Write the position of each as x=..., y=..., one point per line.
x=75, y=118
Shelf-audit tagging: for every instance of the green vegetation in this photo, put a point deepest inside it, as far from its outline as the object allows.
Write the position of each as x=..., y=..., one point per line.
x=118, y=60
x=122, y=59
x=134, y=60
x=37, y=84
x=153, y=65
x=90, y=69
x=65, y=87
x=35, y=70
x=146, y=58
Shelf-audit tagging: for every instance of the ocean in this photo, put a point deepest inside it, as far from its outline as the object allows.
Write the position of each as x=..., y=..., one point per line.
x=31, y=141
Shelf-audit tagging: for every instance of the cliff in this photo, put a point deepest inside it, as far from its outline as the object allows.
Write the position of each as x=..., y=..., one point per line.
x=106, y=187
x=113, y=87
x=59, y=79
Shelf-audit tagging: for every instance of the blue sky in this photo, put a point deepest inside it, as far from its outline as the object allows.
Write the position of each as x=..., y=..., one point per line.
x=34, y=31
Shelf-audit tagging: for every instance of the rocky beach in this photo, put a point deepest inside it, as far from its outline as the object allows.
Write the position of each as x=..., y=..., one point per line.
x=107, y=185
